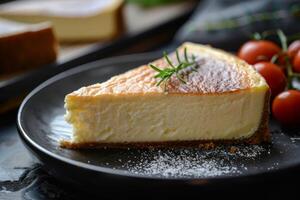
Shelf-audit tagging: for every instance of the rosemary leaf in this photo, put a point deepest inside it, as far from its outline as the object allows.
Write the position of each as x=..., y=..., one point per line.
x=177, y=56
x=155, y=68
x=185, y=55
x=168, y=60
x=165, y=74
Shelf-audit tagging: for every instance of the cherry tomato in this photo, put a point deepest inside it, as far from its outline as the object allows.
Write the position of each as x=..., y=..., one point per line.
x=273, y=75
x=293, y=48
x=296, y=62
x=286, y=107
x=255, y=51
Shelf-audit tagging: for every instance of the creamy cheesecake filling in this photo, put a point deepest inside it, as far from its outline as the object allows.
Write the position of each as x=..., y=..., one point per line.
x=160, y=117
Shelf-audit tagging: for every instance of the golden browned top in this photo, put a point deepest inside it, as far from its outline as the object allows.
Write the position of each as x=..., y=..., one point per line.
x=217, y=72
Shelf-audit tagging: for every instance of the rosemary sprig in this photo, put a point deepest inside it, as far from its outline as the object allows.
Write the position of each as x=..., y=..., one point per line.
x=165, y=74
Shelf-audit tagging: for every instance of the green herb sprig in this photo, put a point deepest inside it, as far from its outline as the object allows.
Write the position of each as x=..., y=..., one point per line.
x=165, y=74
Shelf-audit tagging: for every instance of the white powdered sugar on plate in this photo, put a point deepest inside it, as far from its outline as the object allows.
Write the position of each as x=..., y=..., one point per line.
x=194, y=162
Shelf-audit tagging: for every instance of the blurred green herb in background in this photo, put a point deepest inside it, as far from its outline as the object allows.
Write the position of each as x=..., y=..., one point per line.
x=150, y=3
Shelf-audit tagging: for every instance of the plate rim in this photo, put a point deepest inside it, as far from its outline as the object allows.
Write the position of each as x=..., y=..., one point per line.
x=99, y=64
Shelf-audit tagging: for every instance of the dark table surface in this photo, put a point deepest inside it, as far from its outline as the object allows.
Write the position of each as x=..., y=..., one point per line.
x=22, y=177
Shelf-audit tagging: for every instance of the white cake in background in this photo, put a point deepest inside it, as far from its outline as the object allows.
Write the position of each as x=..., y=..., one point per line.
x=73, y=20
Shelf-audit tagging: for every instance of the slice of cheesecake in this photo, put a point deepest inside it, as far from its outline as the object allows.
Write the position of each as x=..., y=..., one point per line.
x=219, y=98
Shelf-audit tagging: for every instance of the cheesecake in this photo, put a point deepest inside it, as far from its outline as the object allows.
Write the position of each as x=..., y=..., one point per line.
x=25, y=47
x=73, y=20
x=194, y=96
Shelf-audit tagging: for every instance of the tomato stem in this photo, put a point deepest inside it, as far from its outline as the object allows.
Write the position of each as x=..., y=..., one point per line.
x=282, y=39
x=289, y=73
x=257, y=36
x=274, y=58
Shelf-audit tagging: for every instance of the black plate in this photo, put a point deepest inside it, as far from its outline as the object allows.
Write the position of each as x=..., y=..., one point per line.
x=41, y=126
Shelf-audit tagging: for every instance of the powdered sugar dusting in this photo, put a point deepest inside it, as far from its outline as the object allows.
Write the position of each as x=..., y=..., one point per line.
x=195, y=163
x=186, y=165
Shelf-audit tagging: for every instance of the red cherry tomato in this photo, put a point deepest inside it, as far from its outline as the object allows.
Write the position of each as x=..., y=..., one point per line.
x=286, y=107
x=255, y=51
x=296, y=62
x=293, y=49
x=273, y=75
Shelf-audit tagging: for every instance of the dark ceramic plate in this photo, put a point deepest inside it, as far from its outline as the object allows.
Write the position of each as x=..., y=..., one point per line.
x=41, y=126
